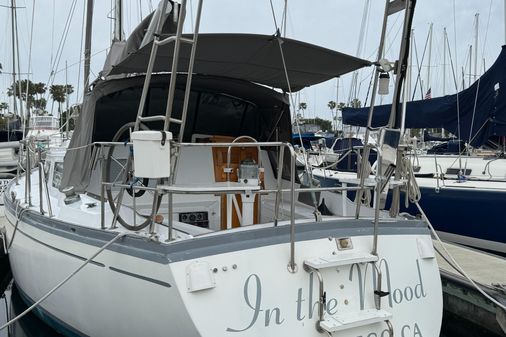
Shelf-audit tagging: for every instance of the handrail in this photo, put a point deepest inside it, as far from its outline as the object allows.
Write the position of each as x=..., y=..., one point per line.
x=260, y=191
x=279, y=183
x=42, y=179
x=28, y=180
x=229, y=150
x=41, y=206
x=292, y=266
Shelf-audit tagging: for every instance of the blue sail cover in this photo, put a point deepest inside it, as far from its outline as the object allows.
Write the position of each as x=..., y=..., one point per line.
x=478, y=121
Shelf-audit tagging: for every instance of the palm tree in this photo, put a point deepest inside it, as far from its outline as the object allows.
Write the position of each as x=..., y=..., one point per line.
x=302, y=106
x=356, y=103
x=59, y=93
x=4, y=106
x=332, y=105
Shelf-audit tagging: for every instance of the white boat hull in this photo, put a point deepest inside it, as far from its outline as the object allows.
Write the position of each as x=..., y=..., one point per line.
x=139, y=287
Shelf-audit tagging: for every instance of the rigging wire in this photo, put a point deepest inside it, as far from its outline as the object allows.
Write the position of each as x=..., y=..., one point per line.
x=274, y=16
x=52, y=37
x=389, y=31
x=353, y=93
x=472, y=119
x=395, y=36
x=292, y=102
x=452, y=66
x=61, y=45
x=486, y=31
x=283, y=21
x=419, y=66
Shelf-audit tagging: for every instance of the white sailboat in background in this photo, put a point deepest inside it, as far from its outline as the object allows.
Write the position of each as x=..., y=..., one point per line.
x=185, y=216
x=11, y=123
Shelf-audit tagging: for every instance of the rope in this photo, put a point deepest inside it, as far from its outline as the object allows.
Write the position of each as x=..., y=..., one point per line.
x=412, y=190
x=454, y=263
x=18, y=218
x=18, y=317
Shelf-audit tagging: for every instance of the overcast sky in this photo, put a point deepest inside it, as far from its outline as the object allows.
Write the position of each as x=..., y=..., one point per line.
x=335, y=24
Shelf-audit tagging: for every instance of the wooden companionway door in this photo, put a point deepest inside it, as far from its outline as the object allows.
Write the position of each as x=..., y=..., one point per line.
x=237, y=154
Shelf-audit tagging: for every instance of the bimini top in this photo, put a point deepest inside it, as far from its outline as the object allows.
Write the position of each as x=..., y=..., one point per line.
x=251, y=57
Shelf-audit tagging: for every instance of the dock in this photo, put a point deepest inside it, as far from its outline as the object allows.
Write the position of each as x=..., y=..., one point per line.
x=460, y=297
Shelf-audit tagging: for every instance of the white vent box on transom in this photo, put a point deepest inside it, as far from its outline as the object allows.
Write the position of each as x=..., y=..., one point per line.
x=199, y=276
x=340, y=259
x=354, y=319
x=151, y=153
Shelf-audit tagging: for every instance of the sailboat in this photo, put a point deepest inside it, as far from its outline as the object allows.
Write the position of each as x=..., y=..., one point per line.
x=11, y=123
x=176, y=207
x=462, y=194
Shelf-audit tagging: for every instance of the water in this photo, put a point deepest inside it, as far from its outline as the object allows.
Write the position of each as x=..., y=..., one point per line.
x=12, y=305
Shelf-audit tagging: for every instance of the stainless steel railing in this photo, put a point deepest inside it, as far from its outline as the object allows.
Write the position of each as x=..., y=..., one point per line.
x=278, y=191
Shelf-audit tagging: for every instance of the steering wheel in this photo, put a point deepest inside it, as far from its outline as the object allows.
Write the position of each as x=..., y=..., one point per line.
x=126, y=176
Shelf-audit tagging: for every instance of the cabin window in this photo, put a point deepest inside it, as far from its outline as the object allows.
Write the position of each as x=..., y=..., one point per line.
x=222, y=114
x=57, y=174
x=208, y=113
x=456, y=171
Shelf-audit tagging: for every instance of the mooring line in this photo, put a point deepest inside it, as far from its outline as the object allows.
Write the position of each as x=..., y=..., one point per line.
x=455, y=265
x=15, y=319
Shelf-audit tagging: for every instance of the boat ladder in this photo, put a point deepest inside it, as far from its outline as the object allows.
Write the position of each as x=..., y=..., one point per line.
x=177, y=39
x=346, y=320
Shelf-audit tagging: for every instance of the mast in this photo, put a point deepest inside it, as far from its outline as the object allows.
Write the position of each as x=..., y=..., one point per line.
x=118, y=21
x=444, y=71
x=67, y=113
x=337, y=103
x=445, y=36
x=430, y=57
x=394, y=120
x=20, y=89
x=87, y=44
x=410, y=66
x=470, y=65
x=476, y=26
x=406, y=88
x=13, y=14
